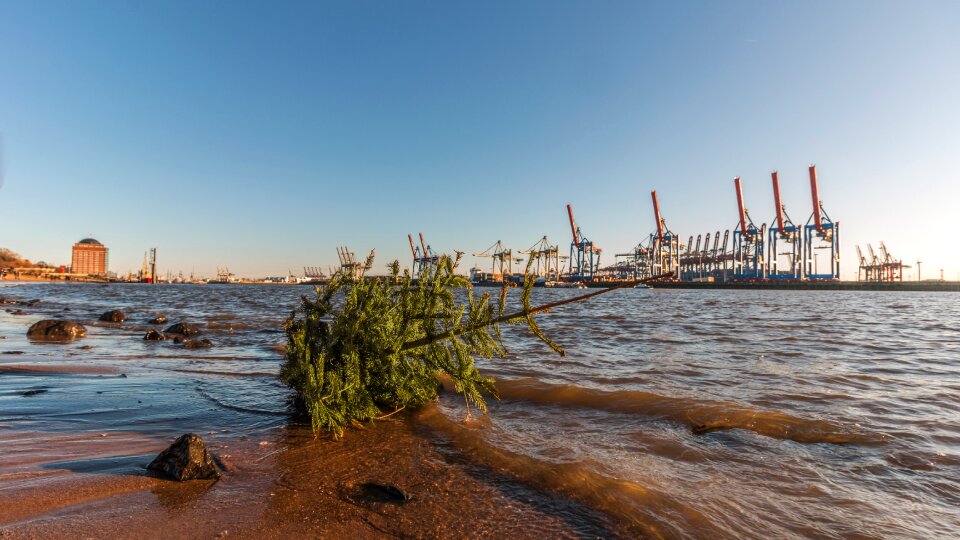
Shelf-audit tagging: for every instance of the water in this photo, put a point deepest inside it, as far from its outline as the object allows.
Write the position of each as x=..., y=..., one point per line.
x=676, y=413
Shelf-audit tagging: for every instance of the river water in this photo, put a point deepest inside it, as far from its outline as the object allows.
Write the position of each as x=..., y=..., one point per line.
x=773, y=414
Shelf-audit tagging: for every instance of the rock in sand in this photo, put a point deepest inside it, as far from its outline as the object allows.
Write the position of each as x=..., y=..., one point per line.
x=186, y=459
x=157, y=320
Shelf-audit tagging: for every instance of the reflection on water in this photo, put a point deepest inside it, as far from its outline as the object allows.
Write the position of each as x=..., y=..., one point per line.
x=725, y=413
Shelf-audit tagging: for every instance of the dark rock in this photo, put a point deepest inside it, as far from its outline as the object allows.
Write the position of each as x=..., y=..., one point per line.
x=177, y=338
x=54, y=330
x=384, y=493
x=157, y=320
x=19, y=312
x=153, y=335
x=183, y=329
x=28, y=303
x=114, y=315
x=186, y=459
x=197, y=344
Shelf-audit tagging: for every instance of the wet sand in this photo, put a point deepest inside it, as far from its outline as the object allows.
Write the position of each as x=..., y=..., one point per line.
x=286, y=483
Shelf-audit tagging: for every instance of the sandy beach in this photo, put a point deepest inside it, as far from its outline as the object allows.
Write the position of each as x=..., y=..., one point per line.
x=286, y=483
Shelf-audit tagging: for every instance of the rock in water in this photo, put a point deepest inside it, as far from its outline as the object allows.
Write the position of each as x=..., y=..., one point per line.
x=114, y=315
x=183, y=329
x=197, y=344
x=53, y=330
x=186, y=459
x=153, y=335
x=157, y=320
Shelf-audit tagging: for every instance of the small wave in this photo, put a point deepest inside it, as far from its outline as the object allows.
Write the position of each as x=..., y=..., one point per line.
x=914, y=461
x=899, y=306
x=215, y=326
x=238, y=408
x=702, y=416
x=227, y=373
x=645, y=512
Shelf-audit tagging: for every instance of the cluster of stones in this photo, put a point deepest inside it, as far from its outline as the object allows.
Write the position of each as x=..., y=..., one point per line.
x=179, y=333
x=63, y=331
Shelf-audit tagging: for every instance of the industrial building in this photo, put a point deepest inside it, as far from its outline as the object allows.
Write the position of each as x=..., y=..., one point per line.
x=90, y=257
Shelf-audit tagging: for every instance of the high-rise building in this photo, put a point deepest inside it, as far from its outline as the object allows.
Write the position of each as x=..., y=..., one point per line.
x=89, y=257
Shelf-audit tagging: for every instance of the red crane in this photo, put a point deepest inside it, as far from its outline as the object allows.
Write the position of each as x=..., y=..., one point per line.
x=815, y=193
x=776, y=199
x=573, y=227
x=743, y=211
x=413, y=250
x=656, y=214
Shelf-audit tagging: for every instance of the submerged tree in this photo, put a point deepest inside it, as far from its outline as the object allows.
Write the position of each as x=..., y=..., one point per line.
x=366, y=346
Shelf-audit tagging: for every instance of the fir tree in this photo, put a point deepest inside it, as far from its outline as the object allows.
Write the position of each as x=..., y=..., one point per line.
x=365, y=346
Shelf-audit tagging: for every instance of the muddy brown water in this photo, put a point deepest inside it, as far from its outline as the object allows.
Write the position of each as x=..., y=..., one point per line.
x=735, y=414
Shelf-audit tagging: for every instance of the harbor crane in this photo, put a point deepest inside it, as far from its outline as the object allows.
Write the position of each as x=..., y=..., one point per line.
x=879, y=269
x=348, y=263
x=423, y=256
x=868, y=270
x=664, y=245
x=748, y=243
x=785, y=248
x=546, y=256
x=820, y=233
x=502, y=260
x=584, y=256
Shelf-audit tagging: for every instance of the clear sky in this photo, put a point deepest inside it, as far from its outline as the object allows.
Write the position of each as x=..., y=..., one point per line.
x=259, y=136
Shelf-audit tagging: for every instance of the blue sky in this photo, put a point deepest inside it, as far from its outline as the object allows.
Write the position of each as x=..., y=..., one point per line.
x=259, y=136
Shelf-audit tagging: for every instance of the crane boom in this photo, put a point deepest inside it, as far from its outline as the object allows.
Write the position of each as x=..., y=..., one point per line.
x=423, y=245
x=815, y=194
x=573, y=227
x=413, y=250
x=742, y=210
x=775, y=176
x=656, y=214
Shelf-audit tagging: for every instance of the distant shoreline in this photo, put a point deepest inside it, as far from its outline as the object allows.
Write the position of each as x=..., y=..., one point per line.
x=910, y=286
x=922, y=286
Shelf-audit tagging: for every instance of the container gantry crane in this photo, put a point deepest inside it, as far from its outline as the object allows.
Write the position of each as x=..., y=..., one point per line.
x=502, y=260
x=891, y=269
x=785, y=241
x=584, y=256
x=423, y=256
x=546, y=262
x=820, y=234
x=748, y=243
x=348, y=263
x=664, y=245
